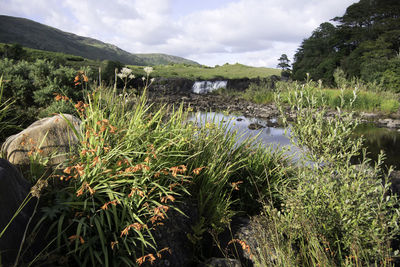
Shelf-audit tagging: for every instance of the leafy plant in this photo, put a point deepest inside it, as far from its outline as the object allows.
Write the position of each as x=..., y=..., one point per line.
x=334, y=213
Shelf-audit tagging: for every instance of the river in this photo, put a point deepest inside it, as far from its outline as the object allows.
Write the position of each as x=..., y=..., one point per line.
x=376, y=139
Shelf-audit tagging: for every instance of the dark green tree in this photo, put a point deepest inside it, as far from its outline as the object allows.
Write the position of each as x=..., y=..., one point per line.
x=364, y=42
x=318, y=55
x=284, y=64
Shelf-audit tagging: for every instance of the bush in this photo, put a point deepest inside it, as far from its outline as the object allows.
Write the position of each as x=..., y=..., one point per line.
x=334, y=213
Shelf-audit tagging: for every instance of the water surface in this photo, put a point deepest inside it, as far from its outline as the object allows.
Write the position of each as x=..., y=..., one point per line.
x=376, y=139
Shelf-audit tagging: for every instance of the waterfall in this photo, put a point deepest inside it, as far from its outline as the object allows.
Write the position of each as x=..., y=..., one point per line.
x=205, y=87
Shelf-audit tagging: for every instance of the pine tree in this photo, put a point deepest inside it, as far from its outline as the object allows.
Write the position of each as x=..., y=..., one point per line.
x=284, y=64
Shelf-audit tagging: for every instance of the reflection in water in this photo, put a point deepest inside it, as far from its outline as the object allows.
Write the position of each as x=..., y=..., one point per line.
x=376, y=139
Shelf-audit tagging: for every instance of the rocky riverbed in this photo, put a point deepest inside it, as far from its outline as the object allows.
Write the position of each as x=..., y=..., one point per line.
x=235, y=105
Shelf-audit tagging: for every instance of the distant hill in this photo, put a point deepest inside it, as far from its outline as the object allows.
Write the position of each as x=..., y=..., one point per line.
x=39, y=36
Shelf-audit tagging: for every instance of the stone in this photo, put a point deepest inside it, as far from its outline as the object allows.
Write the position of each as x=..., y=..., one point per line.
x=13, y=190
x=47, y=136
x=255, y=126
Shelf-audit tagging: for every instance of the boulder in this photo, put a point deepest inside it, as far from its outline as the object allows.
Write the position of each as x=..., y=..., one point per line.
x=13, y=190
x=48, y=136
x=255, y=126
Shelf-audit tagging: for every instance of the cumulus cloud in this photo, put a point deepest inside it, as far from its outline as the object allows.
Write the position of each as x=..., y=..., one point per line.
x=254, y=32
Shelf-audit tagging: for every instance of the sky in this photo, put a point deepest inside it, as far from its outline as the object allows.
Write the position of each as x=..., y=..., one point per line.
x=211, y=32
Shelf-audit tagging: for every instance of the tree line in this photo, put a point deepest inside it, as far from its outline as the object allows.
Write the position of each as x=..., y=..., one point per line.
x=364, y=43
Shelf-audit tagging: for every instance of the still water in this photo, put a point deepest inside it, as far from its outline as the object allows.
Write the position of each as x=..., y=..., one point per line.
x=376, y=139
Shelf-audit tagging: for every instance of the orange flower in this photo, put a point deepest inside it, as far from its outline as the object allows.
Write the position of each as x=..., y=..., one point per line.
x=84, y=186
x=113, y=244
x=57, y=97
x=198, y=170
x=243, y=244
x=178, y=169
x=166, y=198
x=150, y=257
x=162, y=250
x=135, y=225
x=74, y=237
x=113, y=202
x=136, y=191
x=235, y=185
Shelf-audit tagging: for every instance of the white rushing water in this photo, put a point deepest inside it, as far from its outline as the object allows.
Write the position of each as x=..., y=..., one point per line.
x=204, y=87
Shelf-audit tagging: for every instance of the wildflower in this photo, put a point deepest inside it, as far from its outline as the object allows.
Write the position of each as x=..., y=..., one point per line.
x=235, y=185
x=162, y=250
x=141, y=260
x=125, y=72
x=113, y=202
x=198, y=170
x=84, y=186
x=113, y=243
x=135, y=225
x=148, y=70
x=74, y=237
x=166, y=198
x=178, y=169
x=245, y=247
x=136, y=191
x=57, y=97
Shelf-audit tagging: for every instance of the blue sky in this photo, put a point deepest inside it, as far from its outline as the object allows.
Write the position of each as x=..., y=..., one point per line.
x=211, y=32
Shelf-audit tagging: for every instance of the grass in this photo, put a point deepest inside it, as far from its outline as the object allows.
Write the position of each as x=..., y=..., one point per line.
x=226, y=71
x=367, y=100
x=133, y=165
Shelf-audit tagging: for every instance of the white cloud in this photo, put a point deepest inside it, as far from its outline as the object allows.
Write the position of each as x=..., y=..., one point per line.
x=254, y=32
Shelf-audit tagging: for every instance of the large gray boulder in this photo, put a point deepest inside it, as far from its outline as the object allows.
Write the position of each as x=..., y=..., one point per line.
x=47, y=136
x=13, y=190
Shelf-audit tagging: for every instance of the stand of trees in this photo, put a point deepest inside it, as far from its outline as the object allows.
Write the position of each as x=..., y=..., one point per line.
x=365, y=44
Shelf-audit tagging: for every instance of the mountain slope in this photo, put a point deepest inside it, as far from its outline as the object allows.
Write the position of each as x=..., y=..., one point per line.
x=39, y=36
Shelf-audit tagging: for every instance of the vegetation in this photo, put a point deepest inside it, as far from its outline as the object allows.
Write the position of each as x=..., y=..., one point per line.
x=226, y=71
x=284, y=65
x=34, y=86
x=133, y=165
x=38, y=36
x=333, y=213
x=365, y=44
x=370, y=96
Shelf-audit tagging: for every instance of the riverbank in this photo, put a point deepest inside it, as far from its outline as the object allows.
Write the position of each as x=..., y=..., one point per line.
x=236, y=105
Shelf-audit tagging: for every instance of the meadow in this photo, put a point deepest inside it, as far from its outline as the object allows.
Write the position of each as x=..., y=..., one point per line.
x=194, y=72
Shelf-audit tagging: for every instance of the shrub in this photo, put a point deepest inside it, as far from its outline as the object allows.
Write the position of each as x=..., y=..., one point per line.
x=334, y=213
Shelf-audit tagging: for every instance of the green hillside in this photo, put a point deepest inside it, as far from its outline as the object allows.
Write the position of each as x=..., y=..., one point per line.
x=226, y=71
x=39, y=36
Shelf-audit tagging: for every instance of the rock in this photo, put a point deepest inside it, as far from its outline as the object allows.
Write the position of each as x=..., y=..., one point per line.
x=221, y=262
x=46, y=136
x=13, y=190
x=255, y=126
x=389, y=123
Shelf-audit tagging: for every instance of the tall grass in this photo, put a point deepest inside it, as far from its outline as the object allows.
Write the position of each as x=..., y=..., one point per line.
x=133, y=164
x=368, y=98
